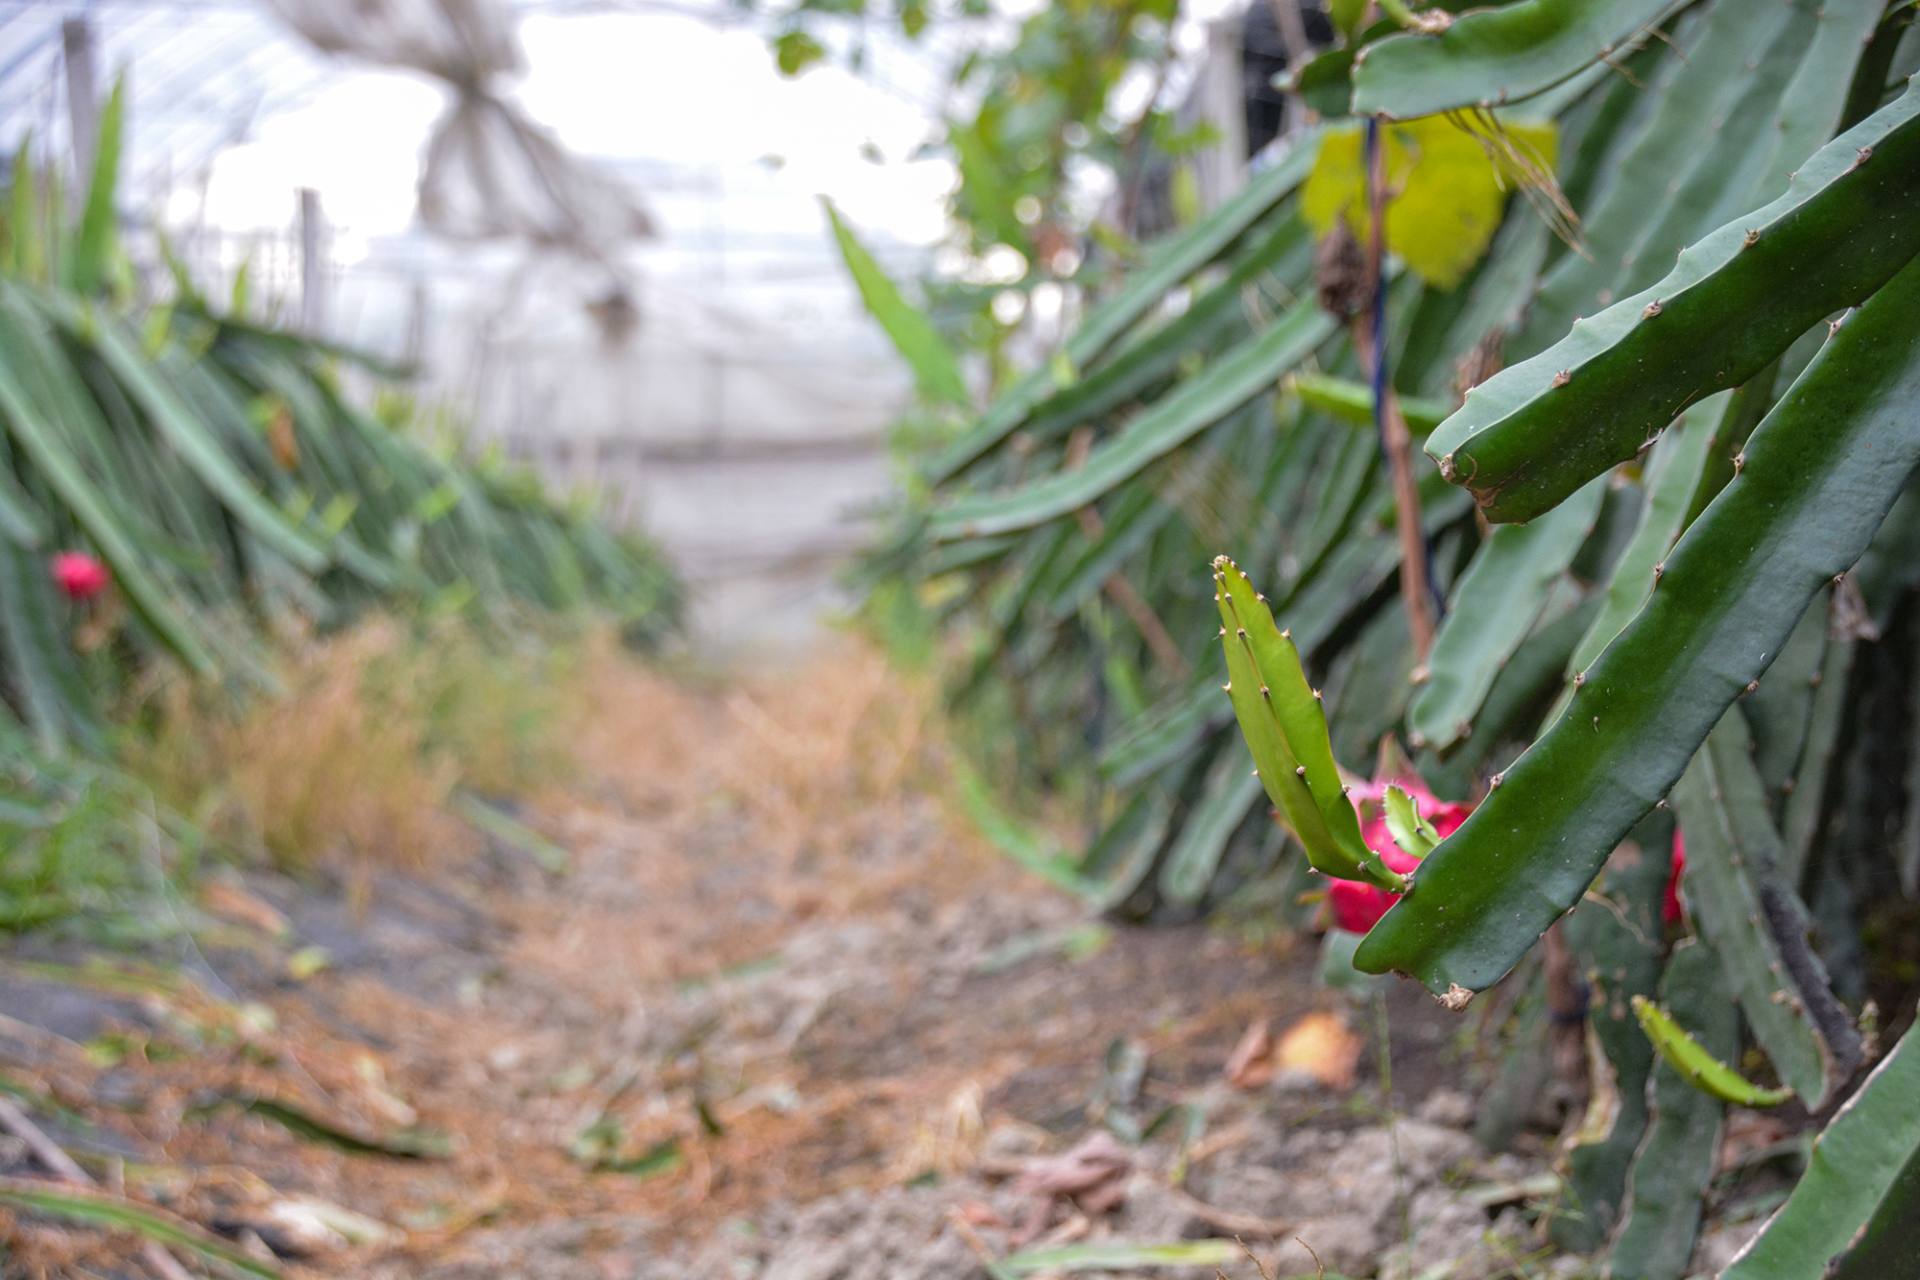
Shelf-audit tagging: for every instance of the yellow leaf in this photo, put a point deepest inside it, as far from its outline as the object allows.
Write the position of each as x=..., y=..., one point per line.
x=1446, y=186
x=1184, y=194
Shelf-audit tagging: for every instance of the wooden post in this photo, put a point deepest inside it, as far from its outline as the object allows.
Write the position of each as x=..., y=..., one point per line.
x=313, y=264
x=1293, y=34
x=83, y=97
x=416, y=341
x=1219, y=95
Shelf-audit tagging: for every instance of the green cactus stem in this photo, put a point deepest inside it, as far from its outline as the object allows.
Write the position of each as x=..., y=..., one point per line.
x=1171, y=263
x=1818, y=477
x=1857, y=1165
x=1486, y=58
x=1755, y=922
x=1534, y=433
x=1676, y=1162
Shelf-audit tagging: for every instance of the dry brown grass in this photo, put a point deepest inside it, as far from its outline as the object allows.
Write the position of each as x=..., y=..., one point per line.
x=352, y=762
x=821, y=747
x=826, y=773
x=787, y=796
x=827, y=770
x=814, y=757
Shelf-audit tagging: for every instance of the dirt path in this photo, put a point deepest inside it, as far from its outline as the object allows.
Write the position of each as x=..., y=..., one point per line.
x=780, y=1017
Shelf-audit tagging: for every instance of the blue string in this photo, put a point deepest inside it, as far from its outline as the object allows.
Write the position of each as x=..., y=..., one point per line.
x=1379, y=319
x=1379, y=380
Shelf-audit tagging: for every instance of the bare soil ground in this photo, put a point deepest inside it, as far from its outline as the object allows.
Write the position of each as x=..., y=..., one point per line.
x=782, y=1017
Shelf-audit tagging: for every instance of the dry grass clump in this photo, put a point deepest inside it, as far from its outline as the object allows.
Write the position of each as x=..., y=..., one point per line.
x=809, y=755
x=842, y=769
x=353, y=760
x=805, y=793
x=820, y=748
x=830, y=771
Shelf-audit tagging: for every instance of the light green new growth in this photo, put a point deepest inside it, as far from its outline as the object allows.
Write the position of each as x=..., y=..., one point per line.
x=1700, y=1069
x=1285, y=729
x=1353, y=402
x=1412, y=832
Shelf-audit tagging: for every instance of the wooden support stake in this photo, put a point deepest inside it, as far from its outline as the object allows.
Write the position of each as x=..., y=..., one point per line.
x=83, y=97
x=1416, y=591
x=313, y=264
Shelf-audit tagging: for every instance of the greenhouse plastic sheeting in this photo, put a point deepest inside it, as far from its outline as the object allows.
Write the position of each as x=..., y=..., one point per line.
x=490, y=171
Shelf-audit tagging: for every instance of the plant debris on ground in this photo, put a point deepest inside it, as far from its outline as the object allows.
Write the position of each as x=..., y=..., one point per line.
x=783, y=1016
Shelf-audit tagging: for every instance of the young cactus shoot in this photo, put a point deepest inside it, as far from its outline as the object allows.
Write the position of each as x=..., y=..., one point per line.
x=1286, y=730
x=1698, y=1067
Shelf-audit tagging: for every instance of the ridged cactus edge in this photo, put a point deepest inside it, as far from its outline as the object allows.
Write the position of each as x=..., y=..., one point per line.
x=1532, y=434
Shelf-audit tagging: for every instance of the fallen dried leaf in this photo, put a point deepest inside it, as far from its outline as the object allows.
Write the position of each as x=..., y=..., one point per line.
x=1250, y=1065
x=1320, y=1045
x=233, y=903
x=1092, y=1177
